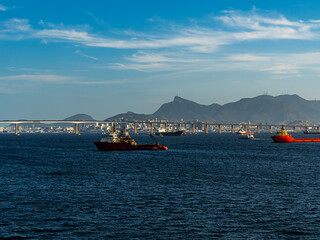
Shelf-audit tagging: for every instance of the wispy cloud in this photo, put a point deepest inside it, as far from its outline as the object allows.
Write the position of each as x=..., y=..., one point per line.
x=18, y=69
x=57, y=79
x=248, y=57
x=106, y=82
x=3, y=8
x=243, y=26
x=85, y=55
x=36, y=78
x=146, y=67
x=15, y=25
x=96, y=20
x=280, y=64
x=283, y=69
x=314, y=21
x=142, y=57
x=182, y=48
x=291, y=65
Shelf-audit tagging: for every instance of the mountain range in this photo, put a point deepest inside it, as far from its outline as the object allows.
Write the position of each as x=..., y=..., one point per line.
x=281, y=109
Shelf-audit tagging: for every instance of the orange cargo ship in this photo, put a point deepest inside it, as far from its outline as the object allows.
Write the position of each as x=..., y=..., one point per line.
x=283, y=137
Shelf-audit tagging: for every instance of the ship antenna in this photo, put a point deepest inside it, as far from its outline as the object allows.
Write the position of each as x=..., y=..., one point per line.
x=153, y=138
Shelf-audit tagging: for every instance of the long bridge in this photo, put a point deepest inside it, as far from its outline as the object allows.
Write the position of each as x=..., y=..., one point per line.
x=204, y=126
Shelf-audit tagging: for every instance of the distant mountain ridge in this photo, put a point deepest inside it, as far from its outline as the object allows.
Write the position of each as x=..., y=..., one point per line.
x=79, y=117
x=261, y=109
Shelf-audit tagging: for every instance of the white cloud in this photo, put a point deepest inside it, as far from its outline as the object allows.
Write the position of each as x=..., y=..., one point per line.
x=248, y=57
x=56, y=79
x=142, y=57
x=245, y=26
x=16, y=25
x=147, y=67
x=289, y=65
x=283, y=69
x=260, y=27
x=71, y=35
x=184, y=48
x=108, y=82
x=36, y=78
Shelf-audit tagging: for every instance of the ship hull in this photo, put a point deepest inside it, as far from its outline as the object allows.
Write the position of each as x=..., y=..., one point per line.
x=106, y=146
x=282, y=139
x=290, y=139
x=306, y=140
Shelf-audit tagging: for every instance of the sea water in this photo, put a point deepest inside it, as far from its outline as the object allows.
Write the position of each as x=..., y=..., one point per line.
x=210, y=186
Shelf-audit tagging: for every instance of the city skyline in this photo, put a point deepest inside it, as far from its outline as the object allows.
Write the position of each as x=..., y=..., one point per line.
x=103, y=58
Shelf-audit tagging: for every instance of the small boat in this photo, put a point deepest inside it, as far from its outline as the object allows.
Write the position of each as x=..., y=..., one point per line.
x=245, y=135
x=283, y=137
x=111, y=142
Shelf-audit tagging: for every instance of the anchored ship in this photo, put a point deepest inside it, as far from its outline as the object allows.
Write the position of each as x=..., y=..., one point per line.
x=175, y=133
x=111, y=142
x=308, y=132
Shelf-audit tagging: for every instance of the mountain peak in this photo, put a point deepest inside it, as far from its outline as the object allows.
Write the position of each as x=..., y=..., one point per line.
x=178, y=99
x=80, y=116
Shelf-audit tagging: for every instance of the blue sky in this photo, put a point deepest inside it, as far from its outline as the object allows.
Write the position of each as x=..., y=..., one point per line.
x=59, y=58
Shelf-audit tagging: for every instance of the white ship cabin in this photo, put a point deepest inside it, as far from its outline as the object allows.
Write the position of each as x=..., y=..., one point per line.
x=110, y=137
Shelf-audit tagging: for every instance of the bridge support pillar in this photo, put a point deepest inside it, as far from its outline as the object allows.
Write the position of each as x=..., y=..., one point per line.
x=258, y=128
x=294, y=129
x=135, y=128
x=179, y=126
x=246, y=127
x=16, y=129
x=232, y=128
x=207, y=128
x=76, y=129
x=151, y=128
x=193, y=128
x=220, y=128
x=270, y=129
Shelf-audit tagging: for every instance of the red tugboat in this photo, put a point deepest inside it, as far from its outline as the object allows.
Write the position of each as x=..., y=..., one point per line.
x=283, y=137
x=111, y=142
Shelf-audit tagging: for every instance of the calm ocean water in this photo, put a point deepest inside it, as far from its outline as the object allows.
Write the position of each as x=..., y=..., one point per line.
x=204, y=187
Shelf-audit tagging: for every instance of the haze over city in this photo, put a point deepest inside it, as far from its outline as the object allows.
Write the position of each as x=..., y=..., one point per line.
x=59, y=58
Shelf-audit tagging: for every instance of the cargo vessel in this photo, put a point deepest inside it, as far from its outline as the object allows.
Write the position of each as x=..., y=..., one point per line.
x=308, y=132
x=175, y=133
x=111, y=142
x=283, y=137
